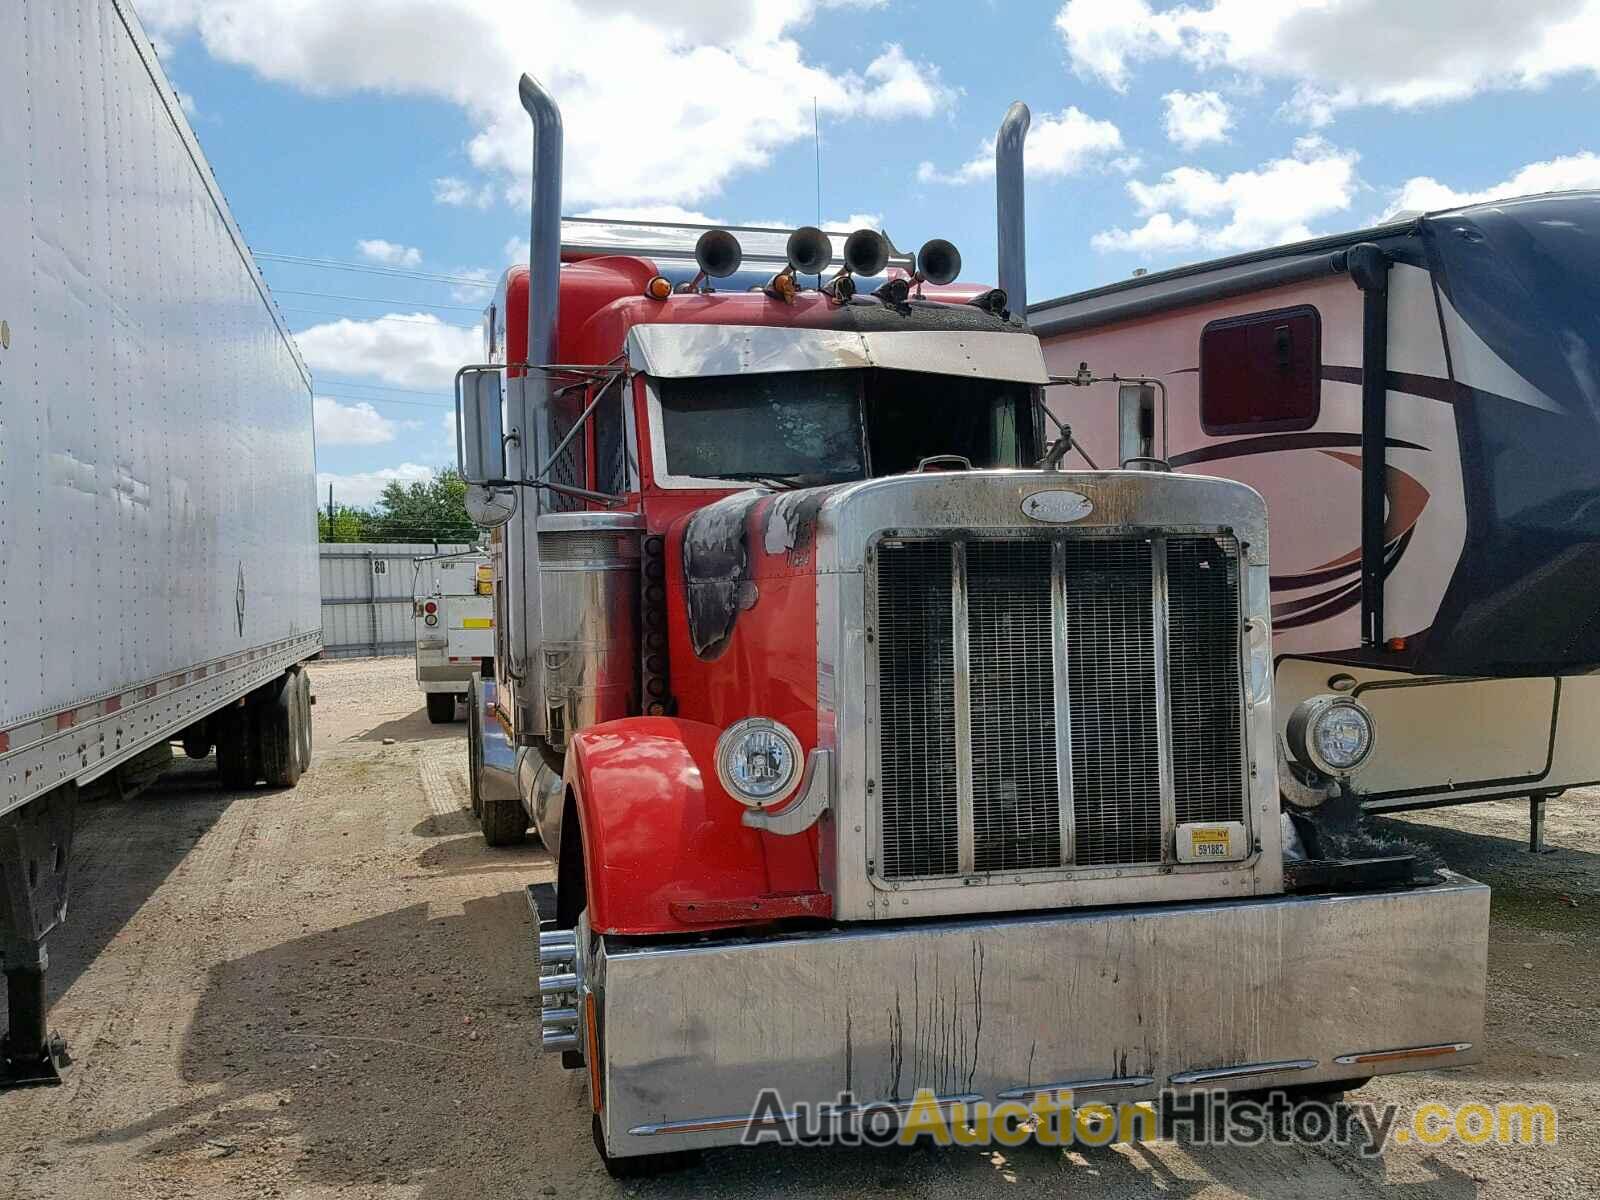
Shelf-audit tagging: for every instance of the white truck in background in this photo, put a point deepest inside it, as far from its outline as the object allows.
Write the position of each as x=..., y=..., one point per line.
x=453, y=608
x=157, y=472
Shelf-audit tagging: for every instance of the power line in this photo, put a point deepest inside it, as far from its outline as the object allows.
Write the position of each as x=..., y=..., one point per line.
x=376, y=300
x=334, y=264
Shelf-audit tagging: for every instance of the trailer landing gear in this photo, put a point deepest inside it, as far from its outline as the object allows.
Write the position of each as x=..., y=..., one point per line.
x=35, y=856
x=1536, y=822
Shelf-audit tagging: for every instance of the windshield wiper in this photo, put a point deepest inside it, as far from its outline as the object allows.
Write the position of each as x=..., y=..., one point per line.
x=779, y=480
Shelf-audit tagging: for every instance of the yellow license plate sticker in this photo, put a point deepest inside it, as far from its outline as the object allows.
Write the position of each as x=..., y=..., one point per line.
x=1211, y=843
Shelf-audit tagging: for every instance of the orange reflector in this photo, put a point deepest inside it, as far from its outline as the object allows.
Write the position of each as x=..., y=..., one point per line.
x=592, y=1053
x=659, y=287
x=1395, y=645
x=1383, y=1056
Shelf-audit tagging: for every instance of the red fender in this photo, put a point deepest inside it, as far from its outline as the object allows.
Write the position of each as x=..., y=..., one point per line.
x=664, y=848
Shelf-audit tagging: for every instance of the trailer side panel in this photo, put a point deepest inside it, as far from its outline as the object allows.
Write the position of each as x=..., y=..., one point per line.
x=157, y=503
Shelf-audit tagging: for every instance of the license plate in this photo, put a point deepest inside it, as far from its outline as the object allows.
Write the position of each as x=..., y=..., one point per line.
x=1211, y=843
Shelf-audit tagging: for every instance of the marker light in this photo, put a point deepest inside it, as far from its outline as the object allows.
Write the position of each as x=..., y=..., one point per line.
x=1333, y=734
x=659, y=287
x=430, y=607
x=758, y=762
x=430, y=620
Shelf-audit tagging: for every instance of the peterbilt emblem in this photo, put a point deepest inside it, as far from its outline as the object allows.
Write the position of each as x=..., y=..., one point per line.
x=1057, y=507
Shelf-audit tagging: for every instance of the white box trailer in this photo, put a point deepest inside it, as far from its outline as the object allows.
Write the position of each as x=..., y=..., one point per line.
x=453, y=610
x=157, y=474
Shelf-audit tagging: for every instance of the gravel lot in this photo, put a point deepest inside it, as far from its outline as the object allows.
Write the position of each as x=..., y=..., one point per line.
x=327, y=992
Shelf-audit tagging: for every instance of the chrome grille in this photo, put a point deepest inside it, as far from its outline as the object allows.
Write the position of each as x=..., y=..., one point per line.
x=1207, y=764
x=917, y=711
x=1111, y=685
x=1030, y=736
x=1016, y=814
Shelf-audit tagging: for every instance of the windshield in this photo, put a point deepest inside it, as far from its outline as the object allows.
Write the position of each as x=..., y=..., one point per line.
x=812, y=427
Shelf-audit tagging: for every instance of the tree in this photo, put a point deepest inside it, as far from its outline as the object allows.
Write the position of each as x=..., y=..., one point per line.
x=347, y=525
x=433, y=510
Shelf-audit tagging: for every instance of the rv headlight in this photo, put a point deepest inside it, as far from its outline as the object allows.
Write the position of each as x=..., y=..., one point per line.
x=758, y=762
x=1333, y=734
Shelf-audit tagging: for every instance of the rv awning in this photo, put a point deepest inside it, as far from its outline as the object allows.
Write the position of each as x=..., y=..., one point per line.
x=680, y=351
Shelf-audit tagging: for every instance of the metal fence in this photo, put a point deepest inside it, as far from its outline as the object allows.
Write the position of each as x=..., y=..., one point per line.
x=366, y=595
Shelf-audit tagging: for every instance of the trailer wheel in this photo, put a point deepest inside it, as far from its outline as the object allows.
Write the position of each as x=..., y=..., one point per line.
x=237, y=765
x=641, y=1166
x=303, y=681
x=278, y=727
x=441, y=707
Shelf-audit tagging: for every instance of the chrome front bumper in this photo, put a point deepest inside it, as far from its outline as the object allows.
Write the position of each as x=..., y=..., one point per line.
x=1119, y=1002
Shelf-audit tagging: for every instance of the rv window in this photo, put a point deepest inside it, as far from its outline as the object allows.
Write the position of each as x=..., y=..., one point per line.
x=1261, y=372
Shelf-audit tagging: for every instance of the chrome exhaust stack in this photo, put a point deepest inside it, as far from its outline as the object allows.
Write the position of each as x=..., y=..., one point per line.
x=1011, y=232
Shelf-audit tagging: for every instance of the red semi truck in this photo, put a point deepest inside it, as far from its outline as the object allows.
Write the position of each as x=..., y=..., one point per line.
x=880, y=756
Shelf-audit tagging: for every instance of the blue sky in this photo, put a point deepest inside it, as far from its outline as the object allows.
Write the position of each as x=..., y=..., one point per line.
x=386, y=133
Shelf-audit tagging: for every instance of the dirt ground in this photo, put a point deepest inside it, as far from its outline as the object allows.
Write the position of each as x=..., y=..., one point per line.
x=330, y=991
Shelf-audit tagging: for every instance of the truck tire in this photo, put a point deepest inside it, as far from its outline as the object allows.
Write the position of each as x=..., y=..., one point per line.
x=303, y=680
x=237, y=764
x=504, y=822
x=278, y=726
x=441, y=707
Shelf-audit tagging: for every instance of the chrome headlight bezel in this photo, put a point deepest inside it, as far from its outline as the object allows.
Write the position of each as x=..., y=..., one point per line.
x=1310, y=717
x=734, y=736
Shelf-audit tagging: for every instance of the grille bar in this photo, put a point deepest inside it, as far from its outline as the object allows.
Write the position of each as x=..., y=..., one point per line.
x=1016, y=791
x=916, y=710
x=1049, y=703
x=1111, y=686
x=1207, y=740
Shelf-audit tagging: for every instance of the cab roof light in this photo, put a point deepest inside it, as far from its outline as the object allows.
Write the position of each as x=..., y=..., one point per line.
x=659, y=287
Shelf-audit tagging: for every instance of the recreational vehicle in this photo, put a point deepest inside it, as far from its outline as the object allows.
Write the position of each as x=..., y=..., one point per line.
x=1419, y=403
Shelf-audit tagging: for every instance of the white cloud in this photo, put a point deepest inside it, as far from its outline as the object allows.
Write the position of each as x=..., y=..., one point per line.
x=1058, y=144
x=1159, y=235
x=899, y=87
x=713, y=89
x=391, y=254
x=404, y=349
x=362, y=488
x=1342, y=53
x=1422, y=193
x=186, y=102
x=356, y=424
x=1268, y=206
x=855, y=221
x=447, y=189
x=1195, y=118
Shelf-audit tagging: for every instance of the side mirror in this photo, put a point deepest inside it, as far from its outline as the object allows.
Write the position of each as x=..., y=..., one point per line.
x=480, y=431
x=480, y=446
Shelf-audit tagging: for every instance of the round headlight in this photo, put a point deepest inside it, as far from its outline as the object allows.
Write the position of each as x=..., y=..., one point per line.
x=1333, y=734
x=758, y=762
